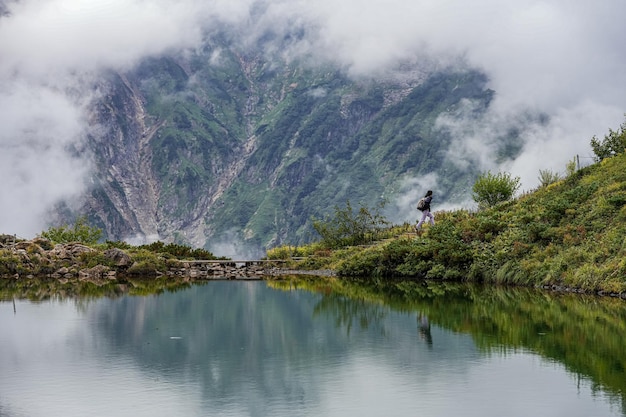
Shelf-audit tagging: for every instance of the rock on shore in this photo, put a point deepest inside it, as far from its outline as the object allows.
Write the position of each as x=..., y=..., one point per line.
x=39, y=256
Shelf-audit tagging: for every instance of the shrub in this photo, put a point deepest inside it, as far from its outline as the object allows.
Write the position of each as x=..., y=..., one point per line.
x=571, y=167
x=81, y=232
x=178, y=251
x=547, y=177
x=147, y=263
x=362, y=264
x=612, y=144
x=349, y=227
x=490, y=189
x=117, y=244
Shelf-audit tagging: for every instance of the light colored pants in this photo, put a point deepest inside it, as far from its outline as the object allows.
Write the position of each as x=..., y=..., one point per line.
x=426, y=214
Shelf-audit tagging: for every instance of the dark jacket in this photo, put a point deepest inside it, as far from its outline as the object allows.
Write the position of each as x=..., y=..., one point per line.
x=427, y=200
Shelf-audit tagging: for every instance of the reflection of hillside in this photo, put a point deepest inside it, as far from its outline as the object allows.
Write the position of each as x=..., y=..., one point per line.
x=247, y=340
x=40, y=289
x=583, y=333
x=232, y=336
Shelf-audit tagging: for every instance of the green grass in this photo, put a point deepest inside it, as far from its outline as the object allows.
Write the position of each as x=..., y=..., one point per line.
x=570, y=234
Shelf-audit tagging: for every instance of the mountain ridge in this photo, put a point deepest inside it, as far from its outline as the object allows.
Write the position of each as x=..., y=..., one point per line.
x=222, y=145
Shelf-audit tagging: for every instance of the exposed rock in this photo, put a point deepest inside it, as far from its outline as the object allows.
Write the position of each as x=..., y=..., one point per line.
x=98, y=271
x=77, y=248
x=23, y=254
x=7, y=239
x=70, y=250
x=60, y=252
x=118, y=256
x=43, y=243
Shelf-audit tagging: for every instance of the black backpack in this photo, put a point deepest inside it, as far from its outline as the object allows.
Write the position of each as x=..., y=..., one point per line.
x=421, y=205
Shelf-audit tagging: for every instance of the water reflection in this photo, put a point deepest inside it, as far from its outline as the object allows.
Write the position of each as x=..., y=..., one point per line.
x=313, y=348
x=423, y=326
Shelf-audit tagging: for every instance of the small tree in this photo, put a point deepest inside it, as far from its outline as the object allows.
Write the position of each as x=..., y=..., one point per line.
x=570, y=167
x=547, y=177
x=612, y=144
x=490, y=189
x=81, y=231
x=350, y=227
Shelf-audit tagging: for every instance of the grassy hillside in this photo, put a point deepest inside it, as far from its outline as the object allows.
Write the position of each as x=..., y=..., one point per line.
x=569, y=234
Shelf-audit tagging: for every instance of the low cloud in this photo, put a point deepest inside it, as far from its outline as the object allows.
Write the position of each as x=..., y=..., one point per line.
x=39, y=162
x=403, y=207
x=230, y=245
x=559, y=58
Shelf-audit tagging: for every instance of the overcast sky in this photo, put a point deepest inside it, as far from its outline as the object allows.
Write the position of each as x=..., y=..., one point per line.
x=564, y=58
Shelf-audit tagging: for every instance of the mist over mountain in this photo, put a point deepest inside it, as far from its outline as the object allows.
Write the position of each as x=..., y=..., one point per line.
x=250, y=149
x=230, y=124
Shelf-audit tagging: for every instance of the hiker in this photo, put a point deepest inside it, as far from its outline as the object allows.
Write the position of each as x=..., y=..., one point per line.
x=424, y=206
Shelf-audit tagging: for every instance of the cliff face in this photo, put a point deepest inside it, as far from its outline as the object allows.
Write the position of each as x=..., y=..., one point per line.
x=222, y=145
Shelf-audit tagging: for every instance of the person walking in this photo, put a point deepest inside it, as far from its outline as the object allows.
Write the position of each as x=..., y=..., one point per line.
x=425, y=208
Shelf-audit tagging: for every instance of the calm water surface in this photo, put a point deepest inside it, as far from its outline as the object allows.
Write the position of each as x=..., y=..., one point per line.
x=252, y=349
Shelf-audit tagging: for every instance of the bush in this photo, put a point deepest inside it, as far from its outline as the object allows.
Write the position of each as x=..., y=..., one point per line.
x=81, y=232
x=612, y=144
x=547, y=177
x=490, y=189
x=349, y=228
x=179, y=251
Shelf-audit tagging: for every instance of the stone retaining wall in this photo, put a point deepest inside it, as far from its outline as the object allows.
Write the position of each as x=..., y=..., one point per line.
x=245, y=270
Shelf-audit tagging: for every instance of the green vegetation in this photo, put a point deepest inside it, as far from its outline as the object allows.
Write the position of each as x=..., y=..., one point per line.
x=275, y=145
x=613, y=143
x=349, y=228
x=567, y=328
x=547, y=177
x=178, y=251
x=81, y=231
x=40, y=289
x=71, y=249
x=490, y=189
x=568, y=234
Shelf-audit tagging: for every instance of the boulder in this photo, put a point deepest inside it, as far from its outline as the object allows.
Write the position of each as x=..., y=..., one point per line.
x=43, y=243
x=60, y=252
x=118, y=256
x=98, y=271
x=77, y=248
x=7, y=239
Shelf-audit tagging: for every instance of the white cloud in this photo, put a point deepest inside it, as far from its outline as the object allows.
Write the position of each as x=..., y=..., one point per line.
x=37, y=168
x=229, y=245
x=560, y=57
x=46, y=39
x=403, y=207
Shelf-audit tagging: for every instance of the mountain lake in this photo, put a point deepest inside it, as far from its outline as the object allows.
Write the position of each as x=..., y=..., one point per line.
x=311, y=347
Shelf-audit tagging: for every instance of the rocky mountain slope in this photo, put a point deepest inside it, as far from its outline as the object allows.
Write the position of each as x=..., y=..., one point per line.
x=225, y=146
